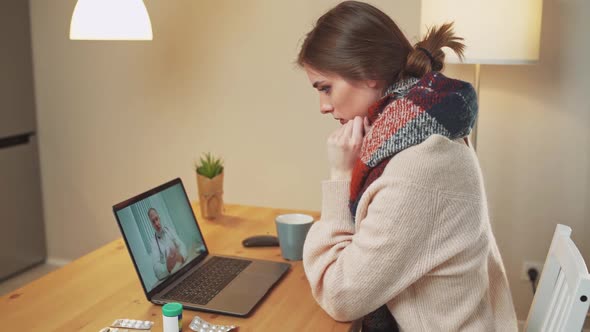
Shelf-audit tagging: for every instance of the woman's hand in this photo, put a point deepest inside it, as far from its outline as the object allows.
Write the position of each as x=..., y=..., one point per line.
x=344, y=147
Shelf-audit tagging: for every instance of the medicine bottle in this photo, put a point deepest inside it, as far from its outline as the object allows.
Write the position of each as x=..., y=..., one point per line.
x=172, y=317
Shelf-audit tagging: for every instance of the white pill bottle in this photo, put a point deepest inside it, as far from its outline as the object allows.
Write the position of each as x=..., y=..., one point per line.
x=172, y=317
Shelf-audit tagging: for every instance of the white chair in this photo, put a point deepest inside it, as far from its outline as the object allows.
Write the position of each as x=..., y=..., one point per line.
x=563, y=294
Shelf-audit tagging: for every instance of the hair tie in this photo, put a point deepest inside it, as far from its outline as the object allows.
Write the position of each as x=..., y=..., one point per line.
x=428, y=54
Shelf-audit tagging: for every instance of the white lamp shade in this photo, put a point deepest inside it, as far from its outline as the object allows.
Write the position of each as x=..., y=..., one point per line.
x=110, y=20
x=495, y=31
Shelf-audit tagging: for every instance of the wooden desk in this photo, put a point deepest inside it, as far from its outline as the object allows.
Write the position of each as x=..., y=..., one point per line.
x=91, y=292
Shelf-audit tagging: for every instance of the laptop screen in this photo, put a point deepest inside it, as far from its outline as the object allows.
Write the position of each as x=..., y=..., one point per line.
x=161, y=233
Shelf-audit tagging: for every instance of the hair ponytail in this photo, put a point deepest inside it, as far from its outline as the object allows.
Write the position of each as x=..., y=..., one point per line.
x=428, y=55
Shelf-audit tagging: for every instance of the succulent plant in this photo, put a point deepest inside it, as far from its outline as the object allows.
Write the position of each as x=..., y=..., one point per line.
x=209, y=166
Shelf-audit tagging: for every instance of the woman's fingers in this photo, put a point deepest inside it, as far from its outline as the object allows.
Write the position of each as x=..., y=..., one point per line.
x=346, y=131
x=366, y=124
x=357, y=131
x=344, y=146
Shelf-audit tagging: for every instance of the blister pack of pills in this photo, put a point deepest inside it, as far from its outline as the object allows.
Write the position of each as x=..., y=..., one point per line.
x=129, y=325
x=116, y=329
x=200, y=325
x=133, y=324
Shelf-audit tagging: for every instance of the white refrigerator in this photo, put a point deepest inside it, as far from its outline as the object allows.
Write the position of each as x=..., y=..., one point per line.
x=22, y=231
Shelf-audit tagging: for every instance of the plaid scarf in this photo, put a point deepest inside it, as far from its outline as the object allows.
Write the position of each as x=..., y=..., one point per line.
x=411, y=111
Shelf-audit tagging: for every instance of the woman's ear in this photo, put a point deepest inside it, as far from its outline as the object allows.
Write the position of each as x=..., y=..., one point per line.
x=375, y=84
x=372, y=83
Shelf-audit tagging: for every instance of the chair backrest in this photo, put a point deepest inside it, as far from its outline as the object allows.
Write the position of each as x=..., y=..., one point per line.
x=562, y=296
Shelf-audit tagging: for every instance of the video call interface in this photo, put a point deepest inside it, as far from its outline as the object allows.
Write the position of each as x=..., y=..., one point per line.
x=162, y=234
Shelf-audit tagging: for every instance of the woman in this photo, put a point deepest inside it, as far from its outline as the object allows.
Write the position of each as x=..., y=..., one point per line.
x=404, y=239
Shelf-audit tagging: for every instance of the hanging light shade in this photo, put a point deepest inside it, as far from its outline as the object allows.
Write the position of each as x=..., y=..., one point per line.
x=110, y=20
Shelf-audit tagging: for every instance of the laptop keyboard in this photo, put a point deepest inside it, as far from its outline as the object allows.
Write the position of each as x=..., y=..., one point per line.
x=207, y=281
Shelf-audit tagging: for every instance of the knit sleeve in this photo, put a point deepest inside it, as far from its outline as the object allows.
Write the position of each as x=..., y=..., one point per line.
x=353, y=273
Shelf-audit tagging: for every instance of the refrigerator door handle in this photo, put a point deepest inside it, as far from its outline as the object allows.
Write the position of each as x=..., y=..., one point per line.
x=10, y=141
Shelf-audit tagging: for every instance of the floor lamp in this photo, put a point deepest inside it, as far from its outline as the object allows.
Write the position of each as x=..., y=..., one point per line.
x=499, y=32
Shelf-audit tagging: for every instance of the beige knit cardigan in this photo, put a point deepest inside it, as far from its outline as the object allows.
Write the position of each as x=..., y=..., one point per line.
x=422, y=244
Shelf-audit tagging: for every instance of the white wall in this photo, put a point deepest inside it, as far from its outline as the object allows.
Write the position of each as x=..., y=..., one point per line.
x=116, y=118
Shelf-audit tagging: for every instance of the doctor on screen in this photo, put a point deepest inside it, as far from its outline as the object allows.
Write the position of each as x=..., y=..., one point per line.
x=168, y=251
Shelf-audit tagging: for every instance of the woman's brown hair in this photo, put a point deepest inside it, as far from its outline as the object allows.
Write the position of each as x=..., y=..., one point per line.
x=357, y=41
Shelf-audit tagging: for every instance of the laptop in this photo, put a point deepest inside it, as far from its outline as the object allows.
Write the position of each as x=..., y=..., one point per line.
x=174, y=264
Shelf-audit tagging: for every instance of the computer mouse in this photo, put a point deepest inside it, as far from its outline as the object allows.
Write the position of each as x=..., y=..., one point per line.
x=261, y=241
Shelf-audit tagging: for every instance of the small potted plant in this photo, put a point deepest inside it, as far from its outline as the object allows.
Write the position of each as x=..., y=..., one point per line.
x=210, y=184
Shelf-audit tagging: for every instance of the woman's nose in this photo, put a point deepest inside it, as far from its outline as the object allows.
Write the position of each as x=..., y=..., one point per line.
x=326, y=108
